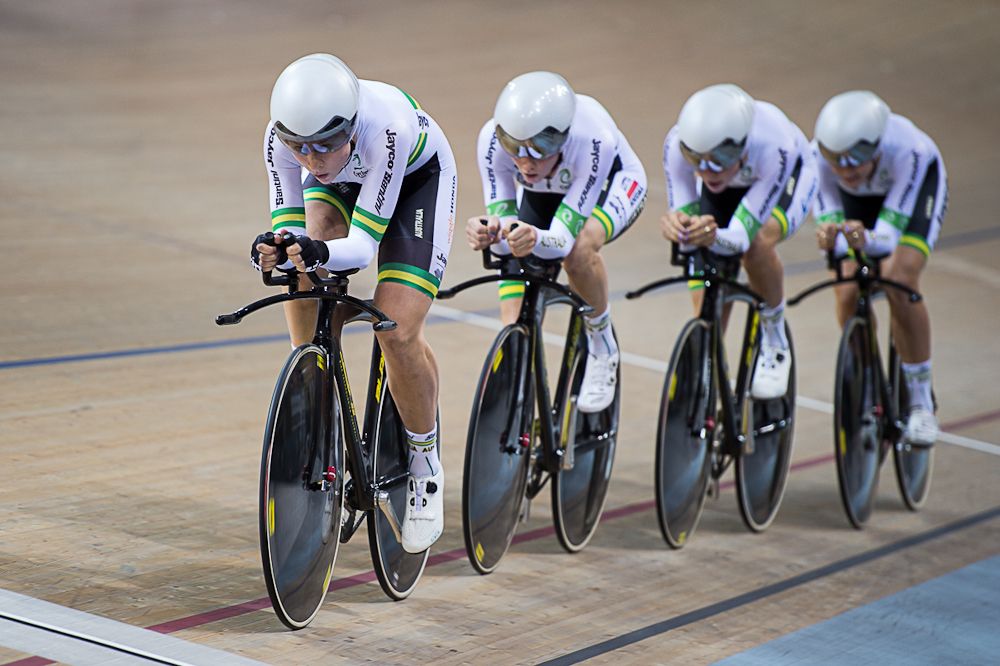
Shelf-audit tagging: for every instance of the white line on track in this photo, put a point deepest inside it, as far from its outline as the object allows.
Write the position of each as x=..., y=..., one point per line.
x=493, y=324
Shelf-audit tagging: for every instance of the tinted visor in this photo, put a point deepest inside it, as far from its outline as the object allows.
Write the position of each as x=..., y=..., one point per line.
x=544, y=144
x=333, y=136
x=717, y=159
x=858, y=154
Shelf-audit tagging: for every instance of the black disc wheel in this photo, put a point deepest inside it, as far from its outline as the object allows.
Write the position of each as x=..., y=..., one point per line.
x=857, y=422
x=914, y=464
x=762, y=474
x=398, y=571
x=588, y=441
x=685, y=433
x=497, y=452
x=301, y=487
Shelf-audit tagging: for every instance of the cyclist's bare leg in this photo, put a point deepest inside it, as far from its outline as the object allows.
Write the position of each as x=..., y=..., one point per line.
x=410, y=363
x=764, y=270
x=911, y=324
x=509, y=309
x=323, y=222
x=585, y=267
x=846, y=294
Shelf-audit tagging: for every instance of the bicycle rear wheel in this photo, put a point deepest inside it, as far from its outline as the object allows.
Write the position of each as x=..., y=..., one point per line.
x=913, y=464
x=684, y=435
x=857, y=422
x=497, y=452
x=579, y=492
x=761, y=476
x=301, y=487
x=398, y=571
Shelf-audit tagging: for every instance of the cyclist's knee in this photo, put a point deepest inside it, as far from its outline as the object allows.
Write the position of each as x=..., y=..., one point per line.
x=588, y=244
x=905, y=266
x=324, y=222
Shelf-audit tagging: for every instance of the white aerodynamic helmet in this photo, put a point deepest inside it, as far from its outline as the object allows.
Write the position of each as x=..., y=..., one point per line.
x=850, y=126
x=713, y=126
x=315, y=100
x=533, y=114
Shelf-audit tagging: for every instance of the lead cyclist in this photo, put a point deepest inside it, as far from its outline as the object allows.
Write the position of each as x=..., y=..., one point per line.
x=740, y=179
x=884, y=191
x=355, y=168
x=559, y=181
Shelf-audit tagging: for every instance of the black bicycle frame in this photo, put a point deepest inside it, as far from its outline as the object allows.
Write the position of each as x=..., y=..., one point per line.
x=867, y=276
x=539, y=281
x=718, y=274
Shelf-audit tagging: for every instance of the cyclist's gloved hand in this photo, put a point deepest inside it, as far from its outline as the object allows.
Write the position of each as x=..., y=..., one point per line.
x=272, y=256
x=308, y=254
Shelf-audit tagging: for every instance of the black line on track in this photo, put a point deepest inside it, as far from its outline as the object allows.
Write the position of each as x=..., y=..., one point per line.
x=768, y=590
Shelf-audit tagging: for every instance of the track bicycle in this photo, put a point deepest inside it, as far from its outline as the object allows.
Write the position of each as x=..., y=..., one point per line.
x=870, y=403
x=521, y=435
x=320, y=477
x=706, y=423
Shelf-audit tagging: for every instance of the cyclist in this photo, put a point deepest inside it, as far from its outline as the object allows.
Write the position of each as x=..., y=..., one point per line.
x=740, y=179
x=884, y=191
x=559, y=181
x=379, y=177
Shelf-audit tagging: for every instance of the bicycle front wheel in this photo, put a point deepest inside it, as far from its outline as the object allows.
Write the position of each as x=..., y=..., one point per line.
x=580, y=488
x=398, y=570
x=497, y=453
x=301, y=487
x=857, y=421
x=913, y=464
x=684, y=435
x=761, y=476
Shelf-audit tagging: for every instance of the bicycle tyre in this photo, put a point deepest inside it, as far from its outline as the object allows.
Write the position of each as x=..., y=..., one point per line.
x=761, y=476
x=300, y=525
x=495, y=474
x=579, y=493
x=914, y=464
x=857, y=422
x=398, y=571
x=684, y=436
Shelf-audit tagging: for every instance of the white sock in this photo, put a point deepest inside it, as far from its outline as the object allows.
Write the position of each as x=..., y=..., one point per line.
x=773, y=324
x=423, y=456
x=918, y=381
x=600, y=338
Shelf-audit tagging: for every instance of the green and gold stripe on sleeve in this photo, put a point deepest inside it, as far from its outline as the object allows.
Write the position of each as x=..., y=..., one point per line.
x=411, y=276
x=601, y=216
x=326, y=196
x=749, y=222
x=422, y=138
x=897, y=220
x=288, y=217
x=572, y=219
x=371, y=223
x=502, y=208
x=834, y=217
x=693, y=208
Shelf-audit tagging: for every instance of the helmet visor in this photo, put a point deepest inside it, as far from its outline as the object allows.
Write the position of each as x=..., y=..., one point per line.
x=544, y=144
x=717, y=159
x=860, y=153
x=332, y=137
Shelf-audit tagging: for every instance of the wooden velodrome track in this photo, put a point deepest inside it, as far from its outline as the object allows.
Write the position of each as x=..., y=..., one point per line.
x=130, y=425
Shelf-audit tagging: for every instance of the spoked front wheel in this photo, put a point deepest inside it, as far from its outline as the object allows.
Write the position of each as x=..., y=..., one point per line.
x=398, y=570
x=301, y=487
x=761, y=475
x=497, y=453
x=685, y=433
x=914, y=464
x=588, y=441
x=857, y=422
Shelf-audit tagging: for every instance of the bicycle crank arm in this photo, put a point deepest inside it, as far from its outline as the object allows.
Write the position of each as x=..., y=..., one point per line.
x=384, y=504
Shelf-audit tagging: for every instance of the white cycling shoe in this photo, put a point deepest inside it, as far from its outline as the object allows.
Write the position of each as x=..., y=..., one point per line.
x=599, y=379
x=921, y=428
x=770, y=379
x=424, y=520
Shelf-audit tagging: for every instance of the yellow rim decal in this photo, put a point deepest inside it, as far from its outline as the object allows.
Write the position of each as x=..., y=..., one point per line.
x=497, y=359
x=479, y=551
x=270, y=516
x=329, y=574
x=843, y=442
x=682, y=537
x=320, y=363
x=673, y=387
